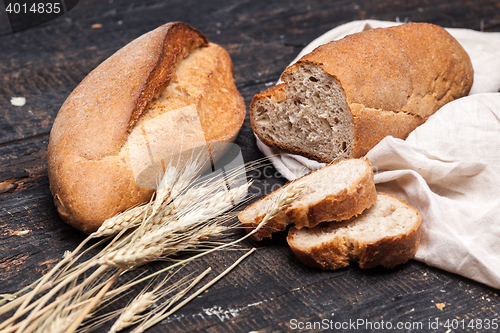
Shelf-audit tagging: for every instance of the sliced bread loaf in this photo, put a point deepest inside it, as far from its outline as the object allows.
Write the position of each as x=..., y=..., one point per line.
x=335, y=192
x=386, y=234
x=341, y=99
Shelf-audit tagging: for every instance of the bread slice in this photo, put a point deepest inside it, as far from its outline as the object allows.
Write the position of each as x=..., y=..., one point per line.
x=387, y=234
x=340, y=100
x=335, y=192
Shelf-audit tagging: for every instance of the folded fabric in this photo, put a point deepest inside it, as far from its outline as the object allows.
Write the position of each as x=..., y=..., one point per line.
x=448, y=168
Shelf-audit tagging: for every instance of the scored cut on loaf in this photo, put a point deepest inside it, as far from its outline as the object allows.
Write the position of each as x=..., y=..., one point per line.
x=167, y=92
x=387, y=234
x=345, y=96
x=335, y=192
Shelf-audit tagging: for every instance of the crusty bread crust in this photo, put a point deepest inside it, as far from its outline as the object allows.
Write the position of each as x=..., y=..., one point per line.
x=371, y=126
x=393, y=79
x=90, y=175
x=349, y=202
x=388, y=251
x=332, y=257
x=414, y=68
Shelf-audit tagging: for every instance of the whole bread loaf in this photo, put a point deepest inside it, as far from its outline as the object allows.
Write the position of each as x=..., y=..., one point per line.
x=166, y=92
x=335, y=192
x=387, y=234
x=344, y=97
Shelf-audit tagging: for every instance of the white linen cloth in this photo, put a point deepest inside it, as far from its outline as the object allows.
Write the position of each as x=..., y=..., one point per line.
x=448, y=168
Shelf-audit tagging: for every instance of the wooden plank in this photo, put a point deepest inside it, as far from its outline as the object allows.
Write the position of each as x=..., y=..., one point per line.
x=271, y=288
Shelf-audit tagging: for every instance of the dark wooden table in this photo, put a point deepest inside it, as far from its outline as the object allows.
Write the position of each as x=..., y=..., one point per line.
x=270, y=291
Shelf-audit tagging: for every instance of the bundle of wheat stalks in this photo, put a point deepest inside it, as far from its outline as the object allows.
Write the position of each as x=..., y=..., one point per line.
x=187, y=213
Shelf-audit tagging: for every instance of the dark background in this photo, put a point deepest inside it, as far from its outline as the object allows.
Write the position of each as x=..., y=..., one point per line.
x=271, y=288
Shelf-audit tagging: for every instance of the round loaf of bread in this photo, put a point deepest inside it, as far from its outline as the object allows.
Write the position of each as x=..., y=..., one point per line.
x=166, y=92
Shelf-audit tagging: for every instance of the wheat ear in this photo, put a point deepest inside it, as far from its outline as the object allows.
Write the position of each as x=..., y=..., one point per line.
x=162, y=314
x=155, y=245
x=131, y=314
x=171, y=184
x=117, y=223
x=133, y=217
x=168, y=235
x=289, y=194
x=286, y=197
x=187, y=228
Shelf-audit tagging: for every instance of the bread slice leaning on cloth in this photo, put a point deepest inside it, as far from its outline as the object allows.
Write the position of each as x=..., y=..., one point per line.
x=386, y=234
x=335, y=192
x=345, y=96
x=167, y=91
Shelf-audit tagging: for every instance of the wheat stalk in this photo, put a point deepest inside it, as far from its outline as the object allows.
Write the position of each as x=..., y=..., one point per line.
x=131, y=314
x=168, y=237
x=134, y=311
x=58, y=320
x=162, y=314
x=59, y=315
x=93, y=303
x=132, y=217
x=164, y=232
x=286, y=197
x=127, y=219
x=172, y=183
x=154, y=245
x=174, y=220
x=60, y=323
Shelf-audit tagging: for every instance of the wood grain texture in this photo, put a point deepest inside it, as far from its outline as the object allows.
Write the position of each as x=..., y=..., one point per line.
x=270, y=288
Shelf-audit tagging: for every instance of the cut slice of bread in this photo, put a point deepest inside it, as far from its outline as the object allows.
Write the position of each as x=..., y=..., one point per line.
x=387, y=234
x=335, y=192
